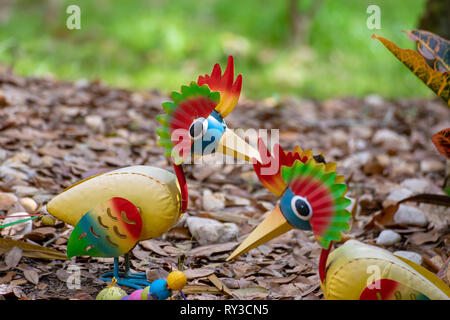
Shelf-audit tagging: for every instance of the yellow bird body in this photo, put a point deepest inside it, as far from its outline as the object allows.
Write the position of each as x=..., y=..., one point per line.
x=353, y=268
x=154, y=191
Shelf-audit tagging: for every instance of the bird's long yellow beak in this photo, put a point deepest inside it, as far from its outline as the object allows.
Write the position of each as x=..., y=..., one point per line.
x=232, y=145
x=271, y=227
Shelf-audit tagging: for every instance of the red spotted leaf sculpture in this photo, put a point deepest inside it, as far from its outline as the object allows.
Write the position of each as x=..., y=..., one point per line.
x=431, y=48
x=441, y=140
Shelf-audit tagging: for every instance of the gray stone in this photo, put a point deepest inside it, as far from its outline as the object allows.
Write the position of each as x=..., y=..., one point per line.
x=42, y=198
x=412, y=256
x=410, y=216
x=7, y=200
x=212, y=201
x=388, y=238
x=11, y=173
x=416, y=185
x=399, y=194
x=95, y=122
x=389, y=139
x=374, y=100
x=356, y=159
x=29, y=204
x=339, y=137
x=207, y=231
x=24, y=191
x=431, y=165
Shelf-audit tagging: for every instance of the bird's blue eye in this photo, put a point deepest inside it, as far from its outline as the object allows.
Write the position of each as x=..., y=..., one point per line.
x=301, y=208
x=198, y=128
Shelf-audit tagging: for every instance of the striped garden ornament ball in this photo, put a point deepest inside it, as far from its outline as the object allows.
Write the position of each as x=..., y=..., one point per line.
x=176, y=280
x=111, y=293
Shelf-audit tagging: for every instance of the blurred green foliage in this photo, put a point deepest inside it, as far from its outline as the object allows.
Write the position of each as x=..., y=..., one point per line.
x=163, y=44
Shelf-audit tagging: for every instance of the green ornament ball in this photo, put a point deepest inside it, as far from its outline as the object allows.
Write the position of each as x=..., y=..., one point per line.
x=112, y=293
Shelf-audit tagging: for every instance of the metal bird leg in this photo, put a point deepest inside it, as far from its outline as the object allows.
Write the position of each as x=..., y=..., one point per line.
x=132, y=280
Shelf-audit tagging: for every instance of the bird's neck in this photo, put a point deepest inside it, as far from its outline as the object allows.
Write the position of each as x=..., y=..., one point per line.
x=179, y=172
x=323, y=262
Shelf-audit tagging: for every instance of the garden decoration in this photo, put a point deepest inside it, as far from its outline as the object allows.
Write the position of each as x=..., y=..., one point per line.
x=112, y=211
x=431, y=64
x=312, y=198
x=357, y=270
x=160, y=289
x=441, y=141
x=111, y=292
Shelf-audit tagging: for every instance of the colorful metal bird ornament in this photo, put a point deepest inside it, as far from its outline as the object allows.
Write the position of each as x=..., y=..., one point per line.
x=112, y=211
x=194, y=124
x=358, y=271
x=313, y=198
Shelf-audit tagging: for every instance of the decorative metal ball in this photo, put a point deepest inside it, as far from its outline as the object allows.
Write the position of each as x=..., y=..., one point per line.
x=135, y=295
x=111, y=293
x=159, y=290
x=176, y=280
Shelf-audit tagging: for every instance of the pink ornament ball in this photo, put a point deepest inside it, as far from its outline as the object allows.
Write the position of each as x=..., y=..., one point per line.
x=135, y=295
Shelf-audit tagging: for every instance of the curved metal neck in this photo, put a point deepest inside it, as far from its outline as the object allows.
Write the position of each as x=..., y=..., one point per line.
x=179, y=172
x=323, y=262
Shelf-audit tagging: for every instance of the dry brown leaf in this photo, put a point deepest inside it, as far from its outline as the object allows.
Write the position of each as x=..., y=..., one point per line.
x=311, y=289
x=224, y=216
x=7, y=278
x=5, y=289
x=444, y=272
x=154, y=274
x=139, y=253
x=32, y=276
x=250, y=291
x=62, y=275
x=287, y=290
x=41, y=234
x=152, y=246
x=18, y=282
x=197, y=273
x=419, y=238
x=13, y=257
x=171, y=250
x=430, y=263
x=198, y=288
x=384, y=218
x=81, y=295
x=244, y=269
x=237, y=283
x=42, y=286
x=203, y=172
x=211, y=249
x=179, y=233
x=219, y=284
x=281, y=280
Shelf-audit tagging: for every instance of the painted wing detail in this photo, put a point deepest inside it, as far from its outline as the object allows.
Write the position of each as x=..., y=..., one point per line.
x=387, y=289
x=109, y=230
